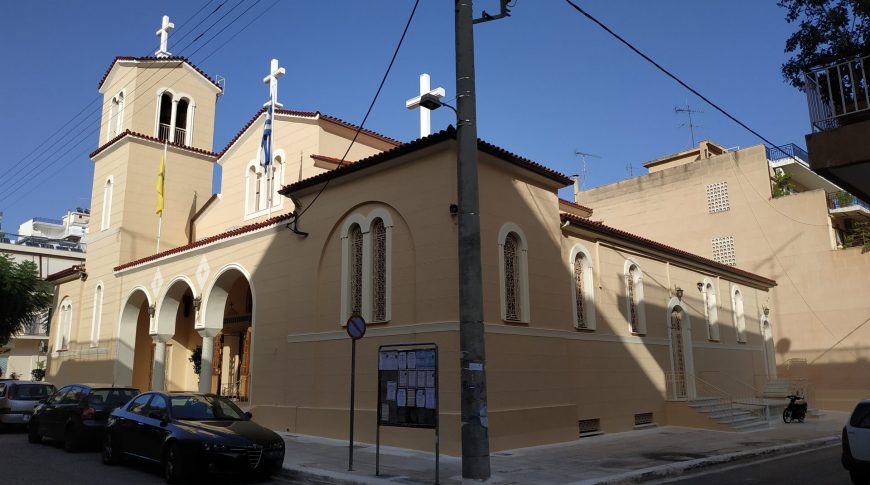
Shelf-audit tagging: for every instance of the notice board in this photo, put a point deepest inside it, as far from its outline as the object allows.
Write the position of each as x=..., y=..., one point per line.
x=408, y=386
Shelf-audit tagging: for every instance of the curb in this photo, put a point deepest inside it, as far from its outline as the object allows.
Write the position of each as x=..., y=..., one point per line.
x=675, y=469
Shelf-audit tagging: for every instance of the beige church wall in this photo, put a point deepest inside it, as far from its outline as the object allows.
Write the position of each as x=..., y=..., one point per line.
x=794, y=248
x=179, y=369
x=141, y=86
x=334, y=140
x=23, y=356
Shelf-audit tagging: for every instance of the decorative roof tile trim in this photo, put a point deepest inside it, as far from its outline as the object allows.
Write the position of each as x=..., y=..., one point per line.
x=337, y=161
x=536, y=167
x=149, y=138
x=575, y=205
x=65, y=272
x=208, y=240
x=305, y=114
x=153, y=58
x=603, y=228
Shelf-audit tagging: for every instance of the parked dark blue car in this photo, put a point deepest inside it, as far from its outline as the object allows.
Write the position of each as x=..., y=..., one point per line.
x=191, y=433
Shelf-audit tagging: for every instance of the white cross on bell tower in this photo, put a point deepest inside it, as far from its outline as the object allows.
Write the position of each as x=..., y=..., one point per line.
x=163, y=33
x=425, y=115
x=272, y=81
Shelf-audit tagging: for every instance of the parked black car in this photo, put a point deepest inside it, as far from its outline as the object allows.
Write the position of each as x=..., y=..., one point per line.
x=77, y=414
x=190, y=432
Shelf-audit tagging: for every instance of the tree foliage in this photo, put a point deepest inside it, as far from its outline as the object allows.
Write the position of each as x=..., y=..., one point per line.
x=22, y=294
x=828, y=30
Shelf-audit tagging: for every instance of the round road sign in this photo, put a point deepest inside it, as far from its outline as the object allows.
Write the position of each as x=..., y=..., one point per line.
x=356, y=327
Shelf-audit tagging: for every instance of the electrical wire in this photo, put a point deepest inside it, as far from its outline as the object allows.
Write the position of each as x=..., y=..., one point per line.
x=366, y=117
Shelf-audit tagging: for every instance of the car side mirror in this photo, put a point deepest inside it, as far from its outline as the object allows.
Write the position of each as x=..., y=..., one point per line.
x=248, y=415
x=159, y=415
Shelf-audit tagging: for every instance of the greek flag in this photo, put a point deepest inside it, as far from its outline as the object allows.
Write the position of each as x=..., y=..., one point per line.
x=266, y=145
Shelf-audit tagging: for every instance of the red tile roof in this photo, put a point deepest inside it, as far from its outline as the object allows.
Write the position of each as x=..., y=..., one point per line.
x=602, y=228
x=208, y=240
x=156, y=59
x=65, y=272
x=149, y=138
x=449, y=133
x=306, y=114
x=575, y=205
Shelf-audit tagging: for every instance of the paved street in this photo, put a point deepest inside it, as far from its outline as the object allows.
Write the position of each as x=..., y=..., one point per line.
x=817, y=467
x=22, y=463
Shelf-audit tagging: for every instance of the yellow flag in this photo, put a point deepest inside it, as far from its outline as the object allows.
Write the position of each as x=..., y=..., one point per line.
x=161, y=175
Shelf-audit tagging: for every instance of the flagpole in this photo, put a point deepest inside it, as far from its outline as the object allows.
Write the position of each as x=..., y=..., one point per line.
x=162, y=196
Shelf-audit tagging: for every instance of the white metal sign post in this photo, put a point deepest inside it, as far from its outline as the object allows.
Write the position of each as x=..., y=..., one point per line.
x=356, y=328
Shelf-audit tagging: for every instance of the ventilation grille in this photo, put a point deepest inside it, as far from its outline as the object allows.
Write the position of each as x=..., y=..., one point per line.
x=717, y=197
x=589, y=426
x=723, y=250
x=643, y=419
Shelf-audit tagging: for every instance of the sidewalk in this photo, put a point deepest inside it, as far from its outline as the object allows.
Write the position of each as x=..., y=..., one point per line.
x=611, y=458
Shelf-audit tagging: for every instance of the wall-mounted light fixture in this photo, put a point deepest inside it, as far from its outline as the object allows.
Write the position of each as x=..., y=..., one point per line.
x=679, y=292
x=766, y=311
x=197, y=303
x=151, y=310
x=701, y=286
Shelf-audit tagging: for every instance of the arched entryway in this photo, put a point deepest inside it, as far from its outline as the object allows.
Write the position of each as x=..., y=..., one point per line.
x=769, y=354
x=175, y=338
x=682, y=362
x=227, y=330
x=134, y=363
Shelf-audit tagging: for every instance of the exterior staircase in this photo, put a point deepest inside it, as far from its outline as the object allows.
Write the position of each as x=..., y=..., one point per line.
x=730, y=415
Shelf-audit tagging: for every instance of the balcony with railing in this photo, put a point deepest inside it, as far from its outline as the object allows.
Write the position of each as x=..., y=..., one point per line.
x=164, y=131
x=789, y=151
x=838, y=93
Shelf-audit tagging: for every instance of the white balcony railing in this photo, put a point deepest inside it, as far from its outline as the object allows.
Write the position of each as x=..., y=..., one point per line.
x=838, y=93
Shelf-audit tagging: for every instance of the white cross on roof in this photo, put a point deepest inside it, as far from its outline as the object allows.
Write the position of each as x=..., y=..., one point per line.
x=272, y=81
x=425, y=115
x=163, y=33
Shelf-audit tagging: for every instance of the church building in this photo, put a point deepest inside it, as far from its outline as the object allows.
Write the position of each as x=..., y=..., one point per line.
x=589, y=329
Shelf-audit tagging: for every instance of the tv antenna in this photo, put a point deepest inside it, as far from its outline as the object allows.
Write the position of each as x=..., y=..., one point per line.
x=629, y=168
x=689, y=111
x=583, y=170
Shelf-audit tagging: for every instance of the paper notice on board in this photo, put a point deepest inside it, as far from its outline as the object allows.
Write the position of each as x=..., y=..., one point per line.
x=391, y=390
x=430, y=398
x=385, y=412
x=403, y=378
x=411, y=398
x=421, y=398
x=403, y=360
x=430, y=379
x=412, y=379
x=421, y=378
x=388, y=361
x=401, y=400
x=382, y=360
x=412, y=360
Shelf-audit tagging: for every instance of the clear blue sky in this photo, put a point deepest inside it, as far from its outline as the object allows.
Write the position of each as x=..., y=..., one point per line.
x=549, y=81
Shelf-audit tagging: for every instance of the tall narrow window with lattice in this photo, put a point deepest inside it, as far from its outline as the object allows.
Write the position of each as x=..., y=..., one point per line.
x=632, y=299
x=579, y=290
x=379, y=271
x=513, y=311
x=355, y=280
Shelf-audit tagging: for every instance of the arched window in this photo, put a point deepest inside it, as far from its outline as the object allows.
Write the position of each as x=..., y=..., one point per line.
x=583, y=286
x=181, y=110
x=355, y=280
x=739, y=313
x=164, y=117
x=64, y=324
x=514, y=274
x=255, y=197
x=115, y=119
x=276, y=178
x=711, y=310
x=379, y=271
x=107, y=205
x=98, y=310
x=635, y=311
x=119, y=125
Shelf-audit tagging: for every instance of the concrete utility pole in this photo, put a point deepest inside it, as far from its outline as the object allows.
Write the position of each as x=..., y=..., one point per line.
x=472, y=351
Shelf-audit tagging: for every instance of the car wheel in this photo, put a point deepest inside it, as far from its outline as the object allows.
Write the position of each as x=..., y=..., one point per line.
x=859, y=477
x=33, y=435
x=70, y=440
x=786, y=416
x=110, y=453
x=173, y=470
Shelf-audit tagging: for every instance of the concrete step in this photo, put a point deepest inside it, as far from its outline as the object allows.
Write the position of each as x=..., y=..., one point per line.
x=751, y=425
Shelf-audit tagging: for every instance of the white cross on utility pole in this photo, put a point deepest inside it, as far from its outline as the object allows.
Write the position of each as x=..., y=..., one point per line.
x=425, y=116
x=163, y=33
x=272, y=81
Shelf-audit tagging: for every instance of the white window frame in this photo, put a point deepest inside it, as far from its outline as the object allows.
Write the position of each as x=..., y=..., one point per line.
x=522, y=259
x=711, y=309
x=638, y=291
x=64, y=325
x=97, y=317
x=106, y=216
x=365, y=223
x=115, y=120
x=588, y=287
x=738, y=313
x=278, y=166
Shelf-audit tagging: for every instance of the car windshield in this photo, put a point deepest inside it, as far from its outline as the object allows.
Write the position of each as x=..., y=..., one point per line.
x=111, y=397
x=203, y=408
x=31, y=392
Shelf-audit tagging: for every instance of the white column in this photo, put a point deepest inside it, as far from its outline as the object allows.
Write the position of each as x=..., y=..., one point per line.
x=206, y=363
x=158, y=374
x=172, y=121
